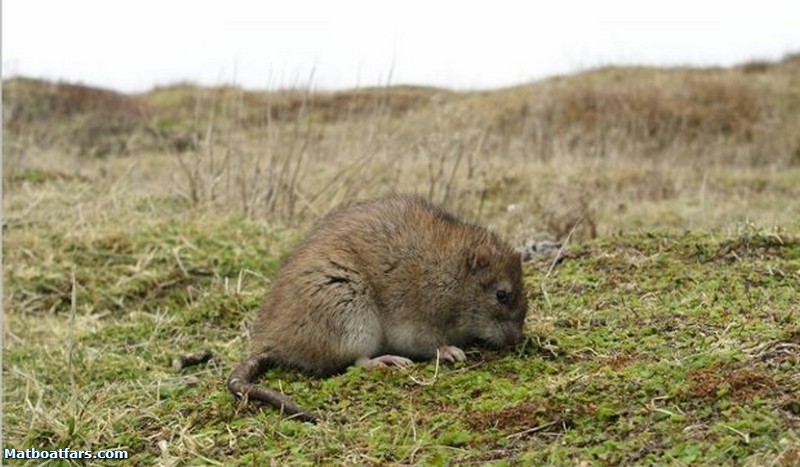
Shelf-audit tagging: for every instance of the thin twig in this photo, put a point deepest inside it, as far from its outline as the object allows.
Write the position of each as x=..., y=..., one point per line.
x=534, y=429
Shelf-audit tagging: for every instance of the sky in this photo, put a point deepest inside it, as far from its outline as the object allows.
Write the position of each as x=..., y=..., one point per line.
x=132, y=46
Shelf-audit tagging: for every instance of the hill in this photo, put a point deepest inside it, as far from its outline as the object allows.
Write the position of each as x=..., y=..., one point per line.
x=609, y=110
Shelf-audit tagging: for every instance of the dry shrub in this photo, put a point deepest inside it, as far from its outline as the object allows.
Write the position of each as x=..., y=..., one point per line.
x=648, y=113
x=94, y=122
x=559, y=212
x=339, y=106
x=254, y=109
x=755, y=67
x=566, y=214
x=29, y=100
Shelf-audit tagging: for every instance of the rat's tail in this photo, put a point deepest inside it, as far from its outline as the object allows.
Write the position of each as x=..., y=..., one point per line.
x=242, y=384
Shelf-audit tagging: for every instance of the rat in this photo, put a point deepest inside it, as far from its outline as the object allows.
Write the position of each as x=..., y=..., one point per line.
x=384, y=283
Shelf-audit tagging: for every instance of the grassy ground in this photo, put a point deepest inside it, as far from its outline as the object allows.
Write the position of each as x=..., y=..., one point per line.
x=668, y=334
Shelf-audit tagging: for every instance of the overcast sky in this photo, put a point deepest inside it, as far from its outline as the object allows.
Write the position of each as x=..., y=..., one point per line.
x=134, y=45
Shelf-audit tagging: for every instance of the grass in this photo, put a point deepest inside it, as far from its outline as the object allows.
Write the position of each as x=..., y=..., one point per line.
x=667, y=335
x=642, y=348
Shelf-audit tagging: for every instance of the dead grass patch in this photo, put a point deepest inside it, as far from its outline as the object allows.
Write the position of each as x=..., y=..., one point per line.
x=741, y=384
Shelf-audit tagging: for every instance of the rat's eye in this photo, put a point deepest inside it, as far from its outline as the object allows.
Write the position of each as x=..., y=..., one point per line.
x=503, y=296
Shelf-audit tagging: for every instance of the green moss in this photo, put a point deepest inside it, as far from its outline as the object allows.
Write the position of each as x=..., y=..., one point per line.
x=646, y=348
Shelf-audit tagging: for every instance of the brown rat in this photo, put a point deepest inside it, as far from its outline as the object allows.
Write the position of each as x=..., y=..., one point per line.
x=382, y=283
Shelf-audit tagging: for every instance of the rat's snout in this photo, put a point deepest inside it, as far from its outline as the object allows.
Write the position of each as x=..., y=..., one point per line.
x=514, y=333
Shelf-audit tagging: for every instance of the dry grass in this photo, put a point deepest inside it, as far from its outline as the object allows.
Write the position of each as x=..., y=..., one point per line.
x=619, y=147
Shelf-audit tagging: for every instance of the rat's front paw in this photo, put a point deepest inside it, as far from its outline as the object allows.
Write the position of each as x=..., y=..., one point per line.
x=383, y=361
x=451, y=353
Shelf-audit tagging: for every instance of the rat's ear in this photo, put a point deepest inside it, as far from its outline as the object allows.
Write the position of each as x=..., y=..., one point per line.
x=480, y=258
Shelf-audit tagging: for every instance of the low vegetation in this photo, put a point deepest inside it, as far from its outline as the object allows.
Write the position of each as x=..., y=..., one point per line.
x=141, y=228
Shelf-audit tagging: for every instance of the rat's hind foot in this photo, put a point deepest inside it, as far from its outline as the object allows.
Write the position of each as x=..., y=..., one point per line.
x=382, y=361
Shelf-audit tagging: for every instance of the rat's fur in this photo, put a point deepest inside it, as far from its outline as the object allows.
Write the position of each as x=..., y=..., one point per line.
x=380, y=283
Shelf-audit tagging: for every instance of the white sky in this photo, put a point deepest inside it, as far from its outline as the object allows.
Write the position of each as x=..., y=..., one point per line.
x=134, y=45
